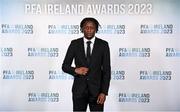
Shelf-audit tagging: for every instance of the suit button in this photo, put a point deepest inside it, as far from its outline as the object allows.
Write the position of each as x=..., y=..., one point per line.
x=87, y=79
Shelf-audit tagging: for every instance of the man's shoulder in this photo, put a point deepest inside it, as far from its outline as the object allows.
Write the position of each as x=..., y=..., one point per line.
x=101, y=41
x=77, y=40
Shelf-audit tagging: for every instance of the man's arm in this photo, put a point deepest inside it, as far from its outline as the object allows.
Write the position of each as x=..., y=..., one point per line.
x=66, y=66
x=106, y=76
x=106, y=70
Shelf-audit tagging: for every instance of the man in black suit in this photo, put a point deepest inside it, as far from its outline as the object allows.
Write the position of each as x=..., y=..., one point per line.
x=92, y=71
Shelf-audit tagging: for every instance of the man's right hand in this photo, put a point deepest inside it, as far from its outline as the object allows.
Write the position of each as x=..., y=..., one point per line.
x=81, y=70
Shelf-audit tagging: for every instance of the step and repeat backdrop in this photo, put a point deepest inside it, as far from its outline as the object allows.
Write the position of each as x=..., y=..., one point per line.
x=144, y=41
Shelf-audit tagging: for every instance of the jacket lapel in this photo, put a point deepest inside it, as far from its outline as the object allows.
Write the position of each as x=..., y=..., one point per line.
x=82, y=50
x=95, y=50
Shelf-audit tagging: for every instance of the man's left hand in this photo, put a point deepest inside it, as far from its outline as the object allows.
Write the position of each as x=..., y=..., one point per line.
x=101, y=98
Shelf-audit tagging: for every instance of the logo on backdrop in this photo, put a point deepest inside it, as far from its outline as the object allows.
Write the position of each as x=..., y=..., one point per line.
x=63, y=29
x=43, y=52
x=74, y=29
x=18, y=74
x=172, y=52
x=118, y=75
x=134, y=52
x=6, y=52
x=59, y=75
x=43, y=97
x=112, y=29
x=156, y=29
x=155, y=75
x=16, y=28
x=87, y=9
x=134, y=97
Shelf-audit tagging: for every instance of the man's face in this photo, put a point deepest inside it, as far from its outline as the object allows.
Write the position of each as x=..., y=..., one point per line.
x=89, y=30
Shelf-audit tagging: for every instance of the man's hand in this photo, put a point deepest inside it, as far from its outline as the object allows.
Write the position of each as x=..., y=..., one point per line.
x=101, y=98
x=81, y=70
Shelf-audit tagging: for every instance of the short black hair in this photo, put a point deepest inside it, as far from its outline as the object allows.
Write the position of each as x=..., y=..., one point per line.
x=87, y=20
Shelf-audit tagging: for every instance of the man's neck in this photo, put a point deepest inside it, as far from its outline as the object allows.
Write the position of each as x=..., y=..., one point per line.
x=88, y=39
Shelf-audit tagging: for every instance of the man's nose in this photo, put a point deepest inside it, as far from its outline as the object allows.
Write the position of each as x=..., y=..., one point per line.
x=89, y=29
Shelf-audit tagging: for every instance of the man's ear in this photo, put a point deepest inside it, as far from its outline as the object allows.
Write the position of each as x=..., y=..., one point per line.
x=81, y=30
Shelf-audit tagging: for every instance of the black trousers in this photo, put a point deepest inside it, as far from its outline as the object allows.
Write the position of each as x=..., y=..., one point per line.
x=80, y=102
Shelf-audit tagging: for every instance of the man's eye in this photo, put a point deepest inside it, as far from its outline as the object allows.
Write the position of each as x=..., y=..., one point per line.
x=89, y=27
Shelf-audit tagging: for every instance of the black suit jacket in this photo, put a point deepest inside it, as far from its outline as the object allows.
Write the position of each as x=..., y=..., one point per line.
x=98, y=77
